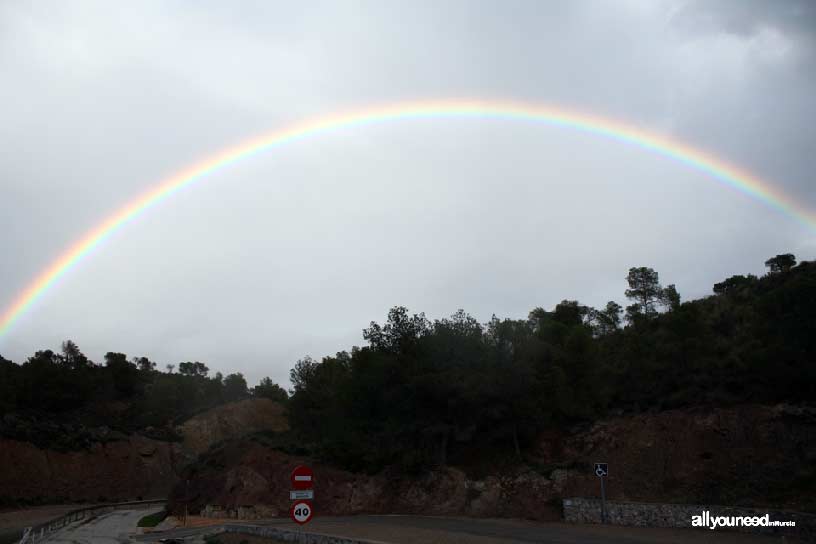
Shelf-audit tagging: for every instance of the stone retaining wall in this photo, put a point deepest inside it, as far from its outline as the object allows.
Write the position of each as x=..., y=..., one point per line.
x=248, y=512
x=582, y=510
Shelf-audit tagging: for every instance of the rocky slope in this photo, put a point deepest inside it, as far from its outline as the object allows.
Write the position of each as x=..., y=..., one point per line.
x=748, y=455
x=229, y=422
x=126, y=467
x=123, y=469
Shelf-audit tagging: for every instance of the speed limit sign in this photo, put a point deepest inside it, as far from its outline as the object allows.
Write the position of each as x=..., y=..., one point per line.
x=301, y=512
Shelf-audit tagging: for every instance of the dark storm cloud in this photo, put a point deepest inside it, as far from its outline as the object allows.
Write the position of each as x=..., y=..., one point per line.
x=294, y=251
x=748, y=17
x=757, y=105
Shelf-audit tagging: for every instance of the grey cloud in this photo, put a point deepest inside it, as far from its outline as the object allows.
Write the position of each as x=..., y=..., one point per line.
x=748, y=17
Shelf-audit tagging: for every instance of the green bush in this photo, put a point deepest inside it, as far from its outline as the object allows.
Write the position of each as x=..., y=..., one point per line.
x=151, y=520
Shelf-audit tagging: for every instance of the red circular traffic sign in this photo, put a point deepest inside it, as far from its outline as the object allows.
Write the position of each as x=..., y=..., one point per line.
x=302, y=478
x=301, y=512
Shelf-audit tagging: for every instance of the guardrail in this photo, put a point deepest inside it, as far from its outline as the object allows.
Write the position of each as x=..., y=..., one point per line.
x=34, y=534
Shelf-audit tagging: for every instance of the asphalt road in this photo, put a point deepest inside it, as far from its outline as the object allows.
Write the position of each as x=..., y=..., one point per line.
x=398, y=529
x=112, y=528
x=444, y=530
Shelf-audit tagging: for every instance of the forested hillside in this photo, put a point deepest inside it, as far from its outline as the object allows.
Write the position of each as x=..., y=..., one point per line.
x=426, y=393
x=66, y=401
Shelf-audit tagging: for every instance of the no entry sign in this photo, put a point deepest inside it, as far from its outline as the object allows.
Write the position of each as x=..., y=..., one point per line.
x=302, y=478
x=301, y=512
x=302, y=490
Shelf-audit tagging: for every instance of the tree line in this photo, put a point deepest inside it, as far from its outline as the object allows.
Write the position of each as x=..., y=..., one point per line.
x=120, y=393
x=423, y=392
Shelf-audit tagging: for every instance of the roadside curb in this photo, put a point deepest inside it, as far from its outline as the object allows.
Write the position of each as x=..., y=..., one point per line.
x=300, y=537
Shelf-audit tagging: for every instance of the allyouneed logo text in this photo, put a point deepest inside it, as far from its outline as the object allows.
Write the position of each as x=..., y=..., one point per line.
x=712, y=522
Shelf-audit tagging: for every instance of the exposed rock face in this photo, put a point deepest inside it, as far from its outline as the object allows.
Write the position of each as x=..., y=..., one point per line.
x=126, y=467
x=247, y=480
x=746, y=455
x=749, y=455
x=120, y=470
x=230, y=421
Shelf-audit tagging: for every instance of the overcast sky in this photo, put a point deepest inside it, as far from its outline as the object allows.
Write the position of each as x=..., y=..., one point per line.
x=293, y=252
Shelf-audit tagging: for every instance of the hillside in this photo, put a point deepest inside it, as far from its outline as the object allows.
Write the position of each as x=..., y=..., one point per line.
x=708, y=400
x=425, y=394
x=705, y=401
x=749, y=455
x=126, y=467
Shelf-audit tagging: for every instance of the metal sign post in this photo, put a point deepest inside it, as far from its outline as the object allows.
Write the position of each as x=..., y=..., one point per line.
x=302, y=493
x=186, y=500
x=602, y=471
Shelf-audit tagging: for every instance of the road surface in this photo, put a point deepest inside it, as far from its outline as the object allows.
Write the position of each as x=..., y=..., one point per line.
x=445, y=530
x=111, y=528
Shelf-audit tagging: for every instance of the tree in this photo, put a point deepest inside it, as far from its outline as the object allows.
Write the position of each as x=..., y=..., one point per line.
x=73, y=357
x=733, y=284
x=570, y=312
x=235, y=387
x=193, y=369
x=400, y=333
x=267, y=389
x=645, y=291
x=144, y=364
x=124, y=373
x=9, y=385
x=669, y=297
x=48, y=384
x=514, y=403
x=608, y=320
x=781, y=263
x=303, y=373
x=460, y=324
x=319, y=405
x=170, y=368
x=454, y=340
x=212, y=389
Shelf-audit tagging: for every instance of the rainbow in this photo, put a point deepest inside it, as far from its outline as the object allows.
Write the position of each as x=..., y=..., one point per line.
x=718, y=169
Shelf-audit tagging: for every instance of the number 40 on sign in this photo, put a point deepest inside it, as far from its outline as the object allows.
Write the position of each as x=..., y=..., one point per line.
x=301, y=512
